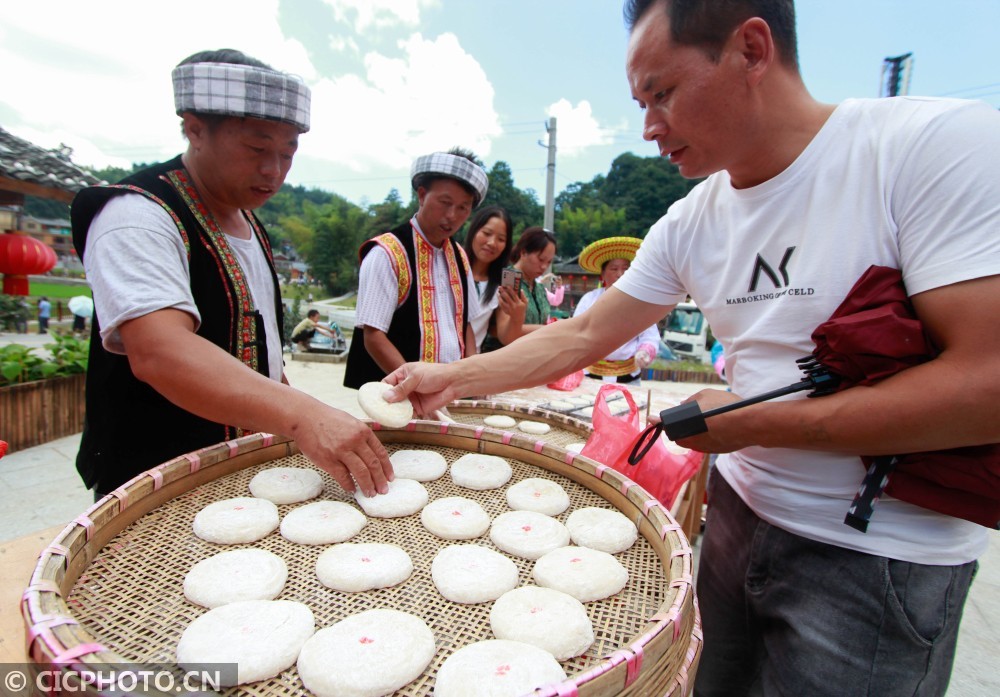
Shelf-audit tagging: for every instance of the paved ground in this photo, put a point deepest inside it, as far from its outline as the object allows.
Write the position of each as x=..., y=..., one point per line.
x=41, y=489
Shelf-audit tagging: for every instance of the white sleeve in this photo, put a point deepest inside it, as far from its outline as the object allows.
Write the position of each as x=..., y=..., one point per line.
x=588, y=299
x=377, y=291
x=136, y=264
x=945, y=202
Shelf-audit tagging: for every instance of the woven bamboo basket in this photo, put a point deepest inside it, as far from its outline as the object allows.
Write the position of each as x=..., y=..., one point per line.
x=109, y=589
x=565, y=429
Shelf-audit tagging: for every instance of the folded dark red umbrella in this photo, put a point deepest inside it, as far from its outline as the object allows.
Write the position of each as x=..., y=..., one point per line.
x=875, y=334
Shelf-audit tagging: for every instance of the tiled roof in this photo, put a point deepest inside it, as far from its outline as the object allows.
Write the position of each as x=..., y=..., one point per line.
x=21, y=160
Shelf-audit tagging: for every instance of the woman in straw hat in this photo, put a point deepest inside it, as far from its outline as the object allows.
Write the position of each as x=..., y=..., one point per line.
x=611, y=258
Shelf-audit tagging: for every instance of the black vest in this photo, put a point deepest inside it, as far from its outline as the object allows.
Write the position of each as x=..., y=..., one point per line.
x=129, y=427
x=404, y=330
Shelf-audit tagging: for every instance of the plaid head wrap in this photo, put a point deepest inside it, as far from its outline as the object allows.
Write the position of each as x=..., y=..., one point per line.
x=241, y=90
x=454, y=166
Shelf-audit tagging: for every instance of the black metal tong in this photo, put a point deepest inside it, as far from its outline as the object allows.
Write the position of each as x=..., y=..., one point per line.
x=686, y=420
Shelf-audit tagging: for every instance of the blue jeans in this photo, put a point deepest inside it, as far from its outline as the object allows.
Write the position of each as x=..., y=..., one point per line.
x=784, y=615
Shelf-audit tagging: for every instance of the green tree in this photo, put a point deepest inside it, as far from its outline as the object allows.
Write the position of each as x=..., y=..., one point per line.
x=645, y=187
x=384, y=216
x=523, y=206
x=339, y=232
x=578, y=227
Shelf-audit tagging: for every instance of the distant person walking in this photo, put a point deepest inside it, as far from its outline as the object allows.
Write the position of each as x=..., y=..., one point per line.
x=44, y=313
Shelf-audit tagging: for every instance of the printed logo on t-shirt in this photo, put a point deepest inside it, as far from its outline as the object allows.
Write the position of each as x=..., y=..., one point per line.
x=762, y=272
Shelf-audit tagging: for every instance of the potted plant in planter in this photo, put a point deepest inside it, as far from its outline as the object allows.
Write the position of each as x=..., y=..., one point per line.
x=42, y=396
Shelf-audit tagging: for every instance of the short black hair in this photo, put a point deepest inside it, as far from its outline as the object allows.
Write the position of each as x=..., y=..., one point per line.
x=312, y=313
x=426, y=179
x=533, y=239
x=708, y=23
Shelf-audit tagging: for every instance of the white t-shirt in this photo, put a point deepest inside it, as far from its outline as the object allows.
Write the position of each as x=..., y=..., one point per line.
x=136, y=264
x=909, y=183
x=628, y=349
x=378, y=287
x=481, y=310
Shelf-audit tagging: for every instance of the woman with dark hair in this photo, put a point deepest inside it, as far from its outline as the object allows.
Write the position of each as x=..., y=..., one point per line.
x=487, y=245
x=531, y=256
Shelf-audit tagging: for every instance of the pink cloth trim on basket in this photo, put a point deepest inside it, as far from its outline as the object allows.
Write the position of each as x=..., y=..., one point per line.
x=626, y=485
x=44, y=585
x=634, y=666
x=677, y=624
x=122, y=496
x=682, y=679
x=56, y=548
x=650, y=504
x=443, y=428
x=479, y=432
x=599, y=471
x=86, y=523
x=77, y=651
x=507, y=435
x=195, y=461
x=570, y=456
x=267, y=440
x=43, y=629
x=669, y=527
x=678, y=553
x=411, y=426
x=539, y=444
x=234, y=448
x=157, y=476
x=376, y=426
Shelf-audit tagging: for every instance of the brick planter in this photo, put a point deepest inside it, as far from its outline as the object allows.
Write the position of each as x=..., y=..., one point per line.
x=33, y=413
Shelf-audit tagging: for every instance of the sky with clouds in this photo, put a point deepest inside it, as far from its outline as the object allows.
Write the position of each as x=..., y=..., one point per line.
x=394, y=79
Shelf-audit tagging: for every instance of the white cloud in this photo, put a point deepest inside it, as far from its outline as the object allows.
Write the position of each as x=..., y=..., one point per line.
x=576, y=127
x=432, y=96
x=378, y=14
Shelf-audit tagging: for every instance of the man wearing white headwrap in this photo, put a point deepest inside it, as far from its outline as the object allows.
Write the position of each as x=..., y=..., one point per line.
x=413, y=291
x=187, y=323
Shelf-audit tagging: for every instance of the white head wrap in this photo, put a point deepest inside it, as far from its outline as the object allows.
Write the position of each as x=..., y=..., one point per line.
x=454, y=166
x=232, y=89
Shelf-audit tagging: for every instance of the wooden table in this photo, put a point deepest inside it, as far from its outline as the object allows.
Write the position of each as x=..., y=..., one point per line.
x=17, y=562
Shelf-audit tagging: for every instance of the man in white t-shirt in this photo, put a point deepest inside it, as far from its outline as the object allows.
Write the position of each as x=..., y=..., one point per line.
x=801, y=198
x=187, y=301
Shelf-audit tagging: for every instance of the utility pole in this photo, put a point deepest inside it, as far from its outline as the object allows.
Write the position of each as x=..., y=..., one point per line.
x=896, y=73
x=550, y=182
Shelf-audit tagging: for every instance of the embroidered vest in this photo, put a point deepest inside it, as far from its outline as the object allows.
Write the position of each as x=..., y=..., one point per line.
x=129, y=427
x=412, y=330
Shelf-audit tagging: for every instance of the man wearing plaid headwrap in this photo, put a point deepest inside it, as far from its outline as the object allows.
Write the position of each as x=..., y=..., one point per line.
x=413, y=291
x=187, y=348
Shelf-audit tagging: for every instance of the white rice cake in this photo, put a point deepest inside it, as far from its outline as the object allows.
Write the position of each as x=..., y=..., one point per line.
x=236, y=521
x=239, y=574
x=601, y=529
x=472, y=574
x=352, y=568
x=496, y=668
x=527, y=534
x=500, y=421
x=404, y=497
x=584, y=573
x=286, y=484
x=480, y=472
x=538, y=495
x=543, y=617
x=263, y=637
x=455, y=518
x=535, y=428
x=370, y=654
x=392, y=415
x=419, y=465
x=322, y=523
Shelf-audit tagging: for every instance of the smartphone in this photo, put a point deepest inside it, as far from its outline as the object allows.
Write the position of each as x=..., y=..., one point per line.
x=511, y=278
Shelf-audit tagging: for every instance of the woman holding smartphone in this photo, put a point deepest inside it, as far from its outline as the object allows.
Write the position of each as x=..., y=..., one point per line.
x=531, y=258
x=487, y=245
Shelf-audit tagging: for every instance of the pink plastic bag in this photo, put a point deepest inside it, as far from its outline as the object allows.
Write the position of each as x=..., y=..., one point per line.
x=660, y=472
x=567, y=383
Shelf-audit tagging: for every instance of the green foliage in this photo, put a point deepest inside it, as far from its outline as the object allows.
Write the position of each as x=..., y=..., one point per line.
x=14, y=309
x=54, y=291
x=578, y=227
x=523, y=206
x=292, y=317
x=67, y=356
x=339, y=232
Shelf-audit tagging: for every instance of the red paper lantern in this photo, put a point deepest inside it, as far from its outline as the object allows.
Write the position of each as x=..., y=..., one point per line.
x=20, y=256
